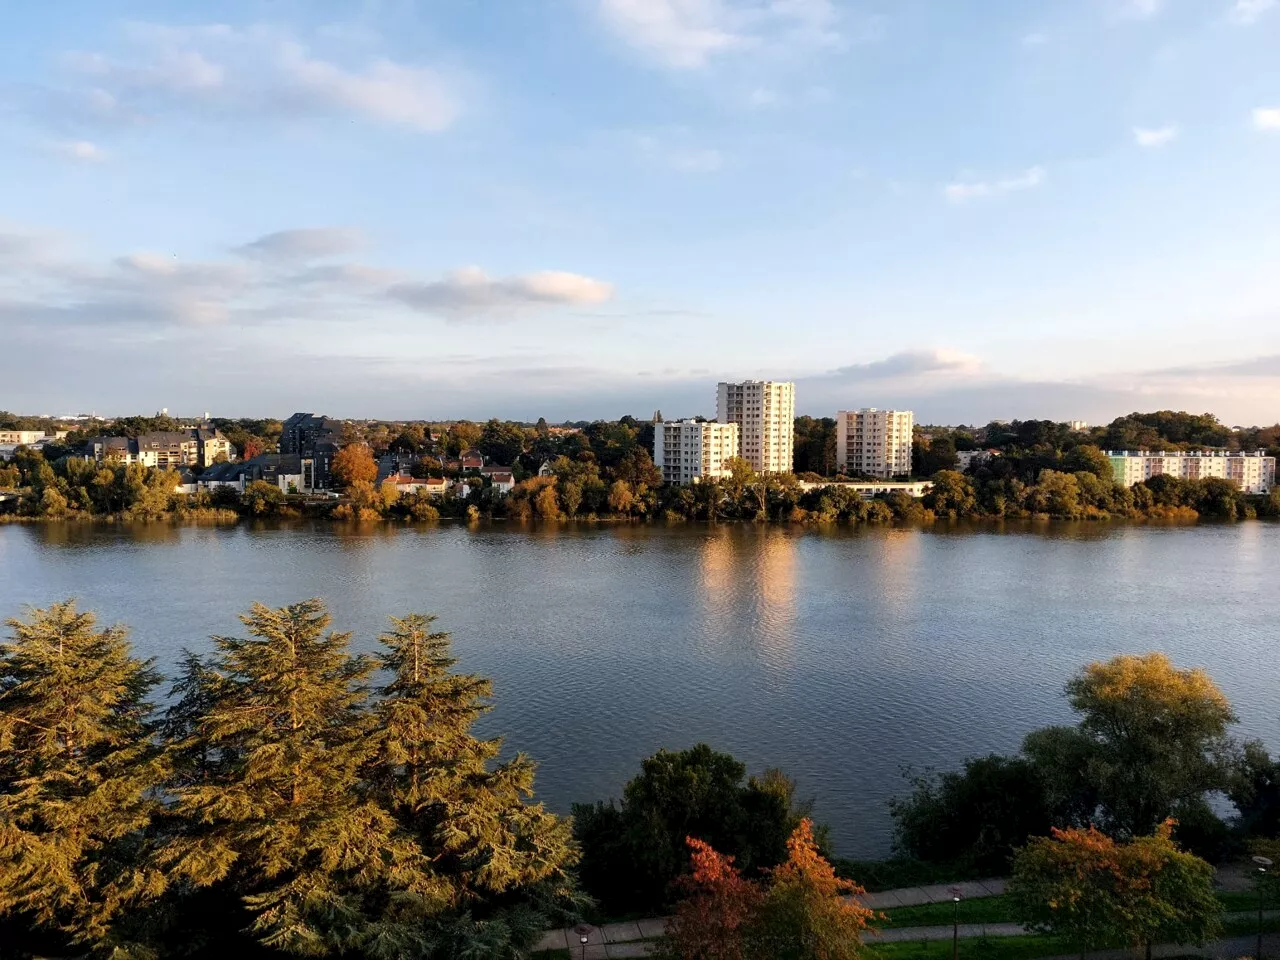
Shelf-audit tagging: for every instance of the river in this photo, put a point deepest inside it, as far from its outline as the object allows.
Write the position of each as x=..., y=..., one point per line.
x=840, y=656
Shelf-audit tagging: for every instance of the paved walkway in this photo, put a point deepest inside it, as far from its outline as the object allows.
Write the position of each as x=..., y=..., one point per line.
x=607, y=940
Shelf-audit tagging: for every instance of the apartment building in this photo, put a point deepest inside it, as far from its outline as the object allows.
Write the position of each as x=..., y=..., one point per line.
x=1252, y=472
x=22, y=437
x=874, y=442
x=765, y=412
x=687, y=451
x=163, y=449
x=316, y=440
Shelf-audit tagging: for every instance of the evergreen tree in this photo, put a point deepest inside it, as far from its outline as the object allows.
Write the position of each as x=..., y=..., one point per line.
x=279, y=824
x=499, y=862
x=79, y=769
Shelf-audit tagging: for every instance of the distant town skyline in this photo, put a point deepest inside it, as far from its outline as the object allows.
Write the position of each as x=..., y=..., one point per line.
x=582, y=209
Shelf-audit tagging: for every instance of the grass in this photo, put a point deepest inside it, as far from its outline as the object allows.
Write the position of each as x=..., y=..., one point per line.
x=877, y=875
x=976, y=910
x=992, y=948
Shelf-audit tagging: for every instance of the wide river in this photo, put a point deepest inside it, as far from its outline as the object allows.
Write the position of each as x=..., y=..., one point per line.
x=841, y=657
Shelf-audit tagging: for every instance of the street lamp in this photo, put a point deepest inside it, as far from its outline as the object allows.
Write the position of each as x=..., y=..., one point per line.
x=955, y=923
x=1263, y=863
x=583, y=940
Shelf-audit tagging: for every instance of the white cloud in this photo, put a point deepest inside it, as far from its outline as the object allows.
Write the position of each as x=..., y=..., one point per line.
x=662, y=152
x=308, y=243
x=1140, y=9
x=1247, y=11
x=1154, y=137
x=962, y=191
x=272, y=279
x=80, y=150
x=1034, y=40
x=1266, y=118
x=913, y=363
x=688, y=34
x=255, y=71
x=470, y=294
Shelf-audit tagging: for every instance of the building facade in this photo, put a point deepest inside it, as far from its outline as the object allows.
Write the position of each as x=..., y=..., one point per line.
x=687, y=451
x=163, y=449
x=765, y=413
x=1252, y=472
x=315, y=440
x=874, y=442
x=22, y=437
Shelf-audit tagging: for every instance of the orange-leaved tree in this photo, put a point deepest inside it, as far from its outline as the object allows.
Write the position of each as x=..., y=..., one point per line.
x=1083, y=885
x=713, y=919
x=800, y=910
x=809, y=913
x=352, y=464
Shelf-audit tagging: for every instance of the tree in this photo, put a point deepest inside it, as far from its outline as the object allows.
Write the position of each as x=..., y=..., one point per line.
x=808, y=913
x=279, y=832
x=621, y=497
x=1087, y=458
x=261, y=497
x=1083, y=885
x=501, y=442
x=714, y=917
x=1255, y=790
x=633, y=851
x=1157, y=736
x=79, y=776
x=547, y=504
x=499, y=864
x=951, y=495
x=976, y=817
x=352, y=464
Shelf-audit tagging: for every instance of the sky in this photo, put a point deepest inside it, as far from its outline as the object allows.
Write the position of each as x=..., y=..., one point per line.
x=974, y=209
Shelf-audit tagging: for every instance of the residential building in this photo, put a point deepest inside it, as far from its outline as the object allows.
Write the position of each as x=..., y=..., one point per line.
x=1078, y=426
x=874, y=442
x=1252, y=472
x=967, y=460
x=502, y=479
x=163, y=449
x=871, y=489
x=765, y=412
x=687, y=451
x=22, y=438
x=315, y=440
x=278, y=469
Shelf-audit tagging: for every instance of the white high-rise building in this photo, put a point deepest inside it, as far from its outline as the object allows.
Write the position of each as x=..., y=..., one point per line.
x=874, y=442
x=765, y=410
x=686, y=451
x=1252, y=472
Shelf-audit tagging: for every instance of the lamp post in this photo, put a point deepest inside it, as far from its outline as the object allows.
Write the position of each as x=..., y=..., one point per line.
x=1263, y=863
x=955, y=923
x=583, y=940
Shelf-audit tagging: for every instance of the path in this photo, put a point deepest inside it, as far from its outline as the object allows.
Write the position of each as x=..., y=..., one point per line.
x=614, y=935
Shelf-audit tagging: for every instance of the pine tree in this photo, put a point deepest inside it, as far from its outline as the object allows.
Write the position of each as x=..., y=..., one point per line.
x=79, y=772
x=279, y=818
x=500, y=861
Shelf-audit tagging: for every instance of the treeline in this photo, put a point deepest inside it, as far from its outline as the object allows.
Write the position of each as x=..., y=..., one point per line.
x=1152, y=743
x=292, y=799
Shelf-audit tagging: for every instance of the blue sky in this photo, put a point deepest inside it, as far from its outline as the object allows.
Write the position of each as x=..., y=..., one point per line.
x=583, y=208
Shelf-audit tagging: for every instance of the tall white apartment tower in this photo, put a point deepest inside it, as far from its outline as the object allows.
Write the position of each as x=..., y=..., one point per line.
x=687, y=451
x=765, y=411
x=874, y=442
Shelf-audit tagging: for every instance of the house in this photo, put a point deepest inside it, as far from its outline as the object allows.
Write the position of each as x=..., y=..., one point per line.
x=967, y=460
x=434, y=486
x=545, y=470
x=471, y=460
x=163, y=449
x=501, y=478
x=284, y=471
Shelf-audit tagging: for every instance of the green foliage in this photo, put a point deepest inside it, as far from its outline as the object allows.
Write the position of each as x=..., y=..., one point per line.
x=1254, y=788
x=78, y=774
x=633, y=850
x=1086, y=887
x=975, y=818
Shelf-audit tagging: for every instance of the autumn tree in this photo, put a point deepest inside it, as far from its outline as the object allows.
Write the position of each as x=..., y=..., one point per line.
x=1097, y=892
x=809, y=913
x=717, y=910
x=79, y=772
x=278, y=832
x=499, y=863
x=352, y=464
x=1155, y=736
x=621, y=497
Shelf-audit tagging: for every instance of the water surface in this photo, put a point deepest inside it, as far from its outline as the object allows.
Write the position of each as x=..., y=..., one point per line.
x=840, y=656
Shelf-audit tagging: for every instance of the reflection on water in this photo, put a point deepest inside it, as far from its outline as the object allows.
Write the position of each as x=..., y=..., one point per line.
x=840, y=655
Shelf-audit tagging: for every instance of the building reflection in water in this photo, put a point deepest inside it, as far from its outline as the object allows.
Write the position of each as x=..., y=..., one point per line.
x=747, y=592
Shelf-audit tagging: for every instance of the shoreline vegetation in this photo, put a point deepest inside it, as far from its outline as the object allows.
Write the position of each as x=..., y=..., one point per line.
x=603, y=472
x=289, y=797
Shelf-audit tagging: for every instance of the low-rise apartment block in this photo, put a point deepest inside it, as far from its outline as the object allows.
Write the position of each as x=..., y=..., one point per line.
x=163, y=449
x=23, y=438
x=874, y=442
x=1252, y=472
x=765, y=413
x=687, y=451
